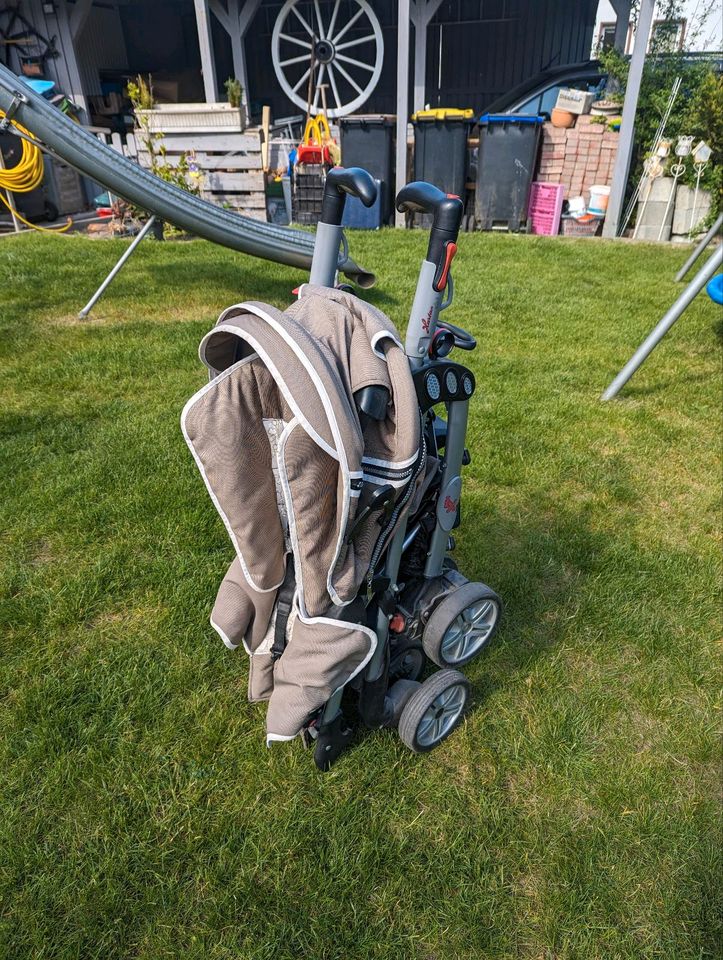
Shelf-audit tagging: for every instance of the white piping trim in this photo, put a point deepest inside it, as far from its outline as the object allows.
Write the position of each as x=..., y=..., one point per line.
x=184, y=413
x=383, y=335
x=281, y=383
x=391, y=464
x=278, y=738
x=225, y=638
x=385, y=481
x=334, y=426
x=347, y=625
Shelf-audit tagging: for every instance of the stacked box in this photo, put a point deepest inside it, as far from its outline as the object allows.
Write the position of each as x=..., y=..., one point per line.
x=307, y=193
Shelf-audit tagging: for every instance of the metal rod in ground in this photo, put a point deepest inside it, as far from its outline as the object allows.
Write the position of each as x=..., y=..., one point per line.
x=714, y=230
x=148, y=225
x=656, y=335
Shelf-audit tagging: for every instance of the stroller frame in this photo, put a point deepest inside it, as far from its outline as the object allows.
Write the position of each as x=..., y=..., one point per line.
x=420, y=606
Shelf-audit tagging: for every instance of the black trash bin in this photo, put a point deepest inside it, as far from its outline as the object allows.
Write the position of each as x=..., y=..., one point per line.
x=368, y=141
x=440, y=148
x=508, y=148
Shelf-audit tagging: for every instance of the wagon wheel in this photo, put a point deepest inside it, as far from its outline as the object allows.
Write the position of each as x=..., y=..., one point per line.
x=347, y=56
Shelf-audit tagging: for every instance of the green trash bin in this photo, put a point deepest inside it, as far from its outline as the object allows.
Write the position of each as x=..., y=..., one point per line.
x=440, y=147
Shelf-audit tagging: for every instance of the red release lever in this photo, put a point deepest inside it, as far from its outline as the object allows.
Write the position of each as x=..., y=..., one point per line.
x=440, y=279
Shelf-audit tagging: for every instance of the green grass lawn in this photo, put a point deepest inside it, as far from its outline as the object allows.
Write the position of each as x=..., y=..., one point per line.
x=574, y=815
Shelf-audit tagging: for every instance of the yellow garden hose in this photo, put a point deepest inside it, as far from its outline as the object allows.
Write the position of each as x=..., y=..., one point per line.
x=25, y=176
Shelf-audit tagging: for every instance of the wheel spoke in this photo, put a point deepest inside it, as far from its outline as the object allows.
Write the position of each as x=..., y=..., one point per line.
x=317, y=92
x=301, y=43
x=356, y=63
x=354, y=43
x=332, y=22
x=322, y=35
x=425, y=724
x=303, y=78
x=334, y=90
x=303, y=22
x=304, y=58
x=350, y=80
x=349, y=25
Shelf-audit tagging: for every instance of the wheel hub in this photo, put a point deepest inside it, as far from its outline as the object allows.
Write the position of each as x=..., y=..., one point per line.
x=324, y=51
x=469, y=631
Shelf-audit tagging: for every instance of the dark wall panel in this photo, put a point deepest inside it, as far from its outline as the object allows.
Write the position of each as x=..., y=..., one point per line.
x=486, y=47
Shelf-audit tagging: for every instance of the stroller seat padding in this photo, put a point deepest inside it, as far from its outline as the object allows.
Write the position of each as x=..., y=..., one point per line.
x=278, y=440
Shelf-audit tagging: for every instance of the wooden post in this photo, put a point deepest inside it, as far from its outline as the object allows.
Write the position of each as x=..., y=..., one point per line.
x=265, y=134
x=627, y=126
x=205, y=44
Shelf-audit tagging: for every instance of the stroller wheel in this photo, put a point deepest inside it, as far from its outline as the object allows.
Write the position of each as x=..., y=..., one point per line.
x=462, y=625
x=434, y=710
x=407, y=664
x=399, y=694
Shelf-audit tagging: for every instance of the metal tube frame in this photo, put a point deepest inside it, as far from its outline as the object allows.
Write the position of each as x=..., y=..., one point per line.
x=148, y=225
x=657, y=334
x=714, y=231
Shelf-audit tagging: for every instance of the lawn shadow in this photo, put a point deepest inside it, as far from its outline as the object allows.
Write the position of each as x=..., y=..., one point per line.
x=633, y=390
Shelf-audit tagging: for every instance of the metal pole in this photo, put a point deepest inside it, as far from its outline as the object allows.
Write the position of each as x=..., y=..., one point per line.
x=117, y=268
x=714, y=230
x=656, y=335
x=627, y=126
x=402, y=98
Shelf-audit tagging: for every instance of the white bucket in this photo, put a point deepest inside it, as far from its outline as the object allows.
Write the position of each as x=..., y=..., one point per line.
x=599, y=197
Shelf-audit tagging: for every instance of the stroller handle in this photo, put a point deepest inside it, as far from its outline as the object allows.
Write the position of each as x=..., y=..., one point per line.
x=447, y=210
x=342, y=182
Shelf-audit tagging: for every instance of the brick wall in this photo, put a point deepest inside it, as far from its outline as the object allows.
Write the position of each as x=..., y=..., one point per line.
x=577, y=157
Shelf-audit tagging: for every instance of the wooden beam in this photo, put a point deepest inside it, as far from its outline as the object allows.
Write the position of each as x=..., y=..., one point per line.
x=247, y=14
x=205, y=43
x=403, y=11
x=627, y=125
x=220, y=14
x=622, y=23
x=78, y=16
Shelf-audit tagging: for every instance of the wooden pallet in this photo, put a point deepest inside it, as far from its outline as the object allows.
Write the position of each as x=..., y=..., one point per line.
x=231, y=164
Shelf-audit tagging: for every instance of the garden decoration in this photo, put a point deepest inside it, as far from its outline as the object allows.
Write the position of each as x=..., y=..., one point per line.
x=653, y=168
x=653, y=151
x=342, y=503
x=701, y=155
x=306, y=51
x=682, y=149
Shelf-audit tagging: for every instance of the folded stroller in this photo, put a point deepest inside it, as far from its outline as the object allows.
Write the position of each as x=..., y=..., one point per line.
x=339, y=484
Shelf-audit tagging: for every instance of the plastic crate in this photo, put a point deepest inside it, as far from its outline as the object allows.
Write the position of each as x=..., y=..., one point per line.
x=580, y=227
x=545, y=208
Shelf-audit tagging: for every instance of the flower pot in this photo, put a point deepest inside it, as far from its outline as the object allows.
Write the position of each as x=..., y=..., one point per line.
x=562, y=118
x=194, y=118
x=605, y=108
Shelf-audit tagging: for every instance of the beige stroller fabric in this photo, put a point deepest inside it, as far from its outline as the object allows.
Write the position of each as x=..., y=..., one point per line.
x=278, y=442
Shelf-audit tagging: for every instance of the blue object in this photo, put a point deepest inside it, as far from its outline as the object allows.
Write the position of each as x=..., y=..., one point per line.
x=358, y=217
x=715, y=289
x=40, y=87
x=509, y=118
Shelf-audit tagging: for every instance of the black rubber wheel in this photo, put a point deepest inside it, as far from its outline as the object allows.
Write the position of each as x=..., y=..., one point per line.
x=462, y=625
x=51, y=211
x=434, y=711
x=407, y=664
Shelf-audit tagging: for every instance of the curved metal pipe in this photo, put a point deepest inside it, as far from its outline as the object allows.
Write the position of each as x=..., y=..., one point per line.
x=127, y=179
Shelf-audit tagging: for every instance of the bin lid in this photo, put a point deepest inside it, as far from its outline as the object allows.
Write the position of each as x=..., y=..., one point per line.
x=443, y=113
x=510, y=118
x=381, y=119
